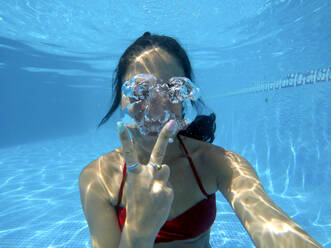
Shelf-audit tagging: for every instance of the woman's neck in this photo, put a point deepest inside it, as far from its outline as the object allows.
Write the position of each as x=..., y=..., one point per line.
x=144, y=150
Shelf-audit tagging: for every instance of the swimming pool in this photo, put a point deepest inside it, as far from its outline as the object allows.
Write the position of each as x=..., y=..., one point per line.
x=56, y=63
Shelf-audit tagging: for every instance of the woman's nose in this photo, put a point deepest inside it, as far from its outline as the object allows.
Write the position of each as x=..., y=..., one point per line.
x=155, y=110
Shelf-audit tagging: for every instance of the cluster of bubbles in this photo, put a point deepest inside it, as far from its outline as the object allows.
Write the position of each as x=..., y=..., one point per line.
x=154, y=99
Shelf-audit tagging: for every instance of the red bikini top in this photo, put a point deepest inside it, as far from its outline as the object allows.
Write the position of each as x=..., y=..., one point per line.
x=189, y=224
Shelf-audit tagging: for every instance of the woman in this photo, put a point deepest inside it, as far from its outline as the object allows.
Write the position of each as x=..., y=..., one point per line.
x=154, y=193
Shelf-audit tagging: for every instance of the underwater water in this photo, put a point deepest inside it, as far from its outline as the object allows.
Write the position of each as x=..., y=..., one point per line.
x=262, y=66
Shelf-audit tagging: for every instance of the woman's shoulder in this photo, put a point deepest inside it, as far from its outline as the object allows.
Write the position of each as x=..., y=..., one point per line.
x=107, y=170
x=107, y=162
x=215, y=156
x=208, y=153
x=205, y=147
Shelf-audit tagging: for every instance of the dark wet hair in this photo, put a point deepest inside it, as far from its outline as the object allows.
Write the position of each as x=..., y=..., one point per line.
x=203, y=127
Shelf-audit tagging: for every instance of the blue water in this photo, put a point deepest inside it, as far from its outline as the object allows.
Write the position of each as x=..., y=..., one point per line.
x=56, y=65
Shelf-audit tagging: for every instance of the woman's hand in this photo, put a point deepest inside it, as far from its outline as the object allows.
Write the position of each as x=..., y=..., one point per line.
x=149, y=198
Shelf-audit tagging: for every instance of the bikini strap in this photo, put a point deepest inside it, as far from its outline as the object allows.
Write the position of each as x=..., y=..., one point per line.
x=193, y=168
x=121, y=188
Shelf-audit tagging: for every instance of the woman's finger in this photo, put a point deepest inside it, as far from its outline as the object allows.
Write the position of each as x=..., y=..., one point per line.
x=162, y=142
x=162, y=176
x=127, y=147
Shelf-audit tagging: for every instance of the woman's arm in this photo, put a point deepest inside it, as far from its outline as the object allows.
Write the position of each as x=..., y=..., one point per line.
x=101, y=216
x=267, y=225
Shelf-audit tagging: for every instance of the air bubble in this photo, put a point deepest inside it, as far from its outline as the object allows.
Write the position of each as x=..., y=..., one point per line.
x=155, y=100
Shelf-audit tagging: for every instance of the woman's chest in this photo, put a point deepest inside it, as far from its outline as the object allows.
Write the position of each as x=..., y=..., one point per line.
x=189, y=182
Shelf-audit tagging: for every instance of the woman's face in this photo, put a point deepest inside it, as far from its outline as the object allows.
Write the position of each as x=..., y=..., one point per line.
x=163, y=66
